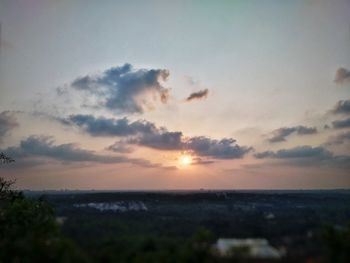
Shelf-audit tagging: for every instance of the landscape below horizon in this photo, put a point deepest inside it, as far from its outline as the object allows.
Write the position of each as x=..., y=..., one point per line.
x=293, y=222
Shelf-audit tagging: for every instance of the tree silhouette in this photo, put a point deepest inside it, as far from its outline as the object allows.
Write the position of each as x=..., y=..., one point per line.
x=5, y=159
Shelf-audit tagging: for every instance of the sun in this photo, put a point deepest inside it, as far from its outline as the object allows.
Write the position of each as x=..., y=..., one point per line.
x=185, y=160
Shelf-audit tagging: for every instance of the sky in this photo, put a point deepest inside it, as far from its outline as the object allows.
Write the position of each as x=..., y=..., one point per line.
x=175, y=94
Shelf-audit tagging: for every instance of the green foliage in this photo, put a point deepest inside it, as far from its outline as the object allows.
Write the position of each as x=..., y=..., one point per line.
x=239, y=252
x=151, y=249
x=337, y=244
x=6, y=193
x=29, y=232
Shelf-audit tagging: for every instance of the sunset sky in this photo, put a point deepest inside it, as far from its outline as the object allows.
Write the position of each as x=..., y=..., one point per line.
x=175, y=94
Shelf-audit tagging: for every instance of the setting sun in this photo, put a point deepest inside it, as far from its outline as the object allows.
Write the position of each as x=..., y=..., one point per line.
x=185, y=160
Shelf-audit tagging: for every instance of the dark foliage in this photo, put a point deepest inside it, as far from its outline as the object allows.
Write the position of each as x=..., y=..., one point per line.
x=337, y=243
x=29, y=232
x=5, y=159
x=177, y=227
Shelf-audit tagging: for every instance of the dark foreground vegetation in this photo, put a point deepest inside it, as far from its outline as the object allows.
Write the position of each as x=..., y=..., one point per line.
x=305, y=226
x=170, y=226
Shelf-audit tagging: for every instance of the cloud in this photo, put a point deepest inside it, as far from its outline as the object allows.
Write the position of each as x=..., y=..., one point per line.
x=341, y=138
x=297, y=152
x=160, y=140
x=342, y=107
x=109, y=126
x=307, y=155
x=147, y=134
x=7, y=123
x=220, y=149
x=342, y=76
x=201, y=161
x=201, y=146
x=120, y=147
x=44, y=147
x=198, y=95
x=280, y=134
x=340, y=124
x=126, y=90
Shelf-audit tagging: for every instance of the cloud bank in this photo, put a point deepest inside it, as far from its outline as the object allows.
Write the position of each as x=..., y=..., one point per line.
x=297, y=152
x=307, y=155
x=147, y=134
x=44, y=147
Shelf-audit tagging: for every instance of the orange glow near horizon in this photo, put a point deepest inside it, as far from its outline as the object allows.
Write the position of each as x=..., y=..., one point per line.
x=185, y=160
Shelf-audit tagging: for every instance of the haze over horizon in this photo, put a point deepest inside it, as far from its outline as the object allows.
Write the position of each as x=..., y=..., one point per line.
x=175, y=94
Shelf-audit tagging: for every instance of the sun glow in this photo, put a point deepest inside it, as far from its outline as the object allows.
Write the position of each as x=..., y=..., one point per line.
x=185, y=160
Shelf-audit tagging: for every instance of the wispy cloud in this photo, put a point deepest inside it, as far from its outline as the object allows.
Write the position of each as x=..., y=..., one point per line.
x=297, y=152
x=202, y=94
x=307, y=155
x=281, y=134
x=339, y=139
x=8, y=122
x=44, y=147
x=120, y=147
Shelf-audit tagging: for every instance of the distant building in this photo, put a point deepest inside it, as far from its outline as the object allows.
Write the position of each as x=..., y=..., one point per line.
x=269, y=216
x=60, y=219
x=251, y=247
x=121, y=206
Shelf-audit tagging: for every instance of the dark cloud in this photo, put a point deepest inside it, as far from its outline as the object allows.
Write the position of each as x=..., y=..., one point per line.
x=342, y=107
x=120, y=147
x=220, y=149
x=341, y=138
x=201, y=161
x=198, y=95
x=160, y=139
x=7, y=123
x=307, y=155
x=124, y=89
x=201, y=146
x=144, y=133
x=297, y=152
x=280, y=134
x=44, y=147
x=340, y=124
x=108, y=126
x=342, y=76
